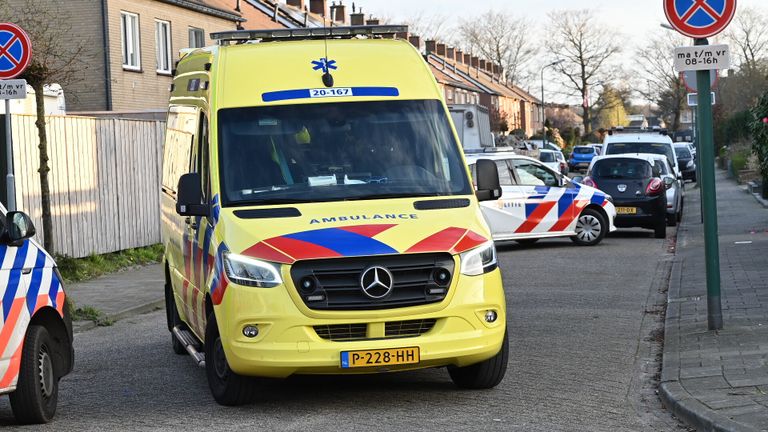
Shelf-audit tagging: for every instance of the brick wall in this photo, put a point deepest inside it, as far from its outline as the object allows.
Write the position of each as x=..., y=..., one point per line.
x=148, y=89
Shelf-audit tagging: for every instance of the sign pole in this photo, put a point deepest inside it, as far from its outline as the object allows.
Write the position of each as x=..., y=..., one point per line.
x=9, y=180
x=709, y=197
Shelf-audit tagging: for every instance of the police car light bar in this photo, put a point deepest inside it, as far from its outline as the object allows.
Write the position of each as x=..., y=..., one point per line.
x=308, y=33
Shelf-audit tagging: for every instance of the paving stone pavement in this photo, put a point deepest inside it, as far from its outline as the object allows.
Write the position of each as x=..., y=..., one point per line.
x=718, y=381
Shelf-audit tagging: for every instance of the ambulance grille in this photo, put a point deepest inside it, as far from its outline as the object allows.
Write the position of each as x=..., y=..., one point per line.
x=342, y=332
x=334, y=284
x=408, y=328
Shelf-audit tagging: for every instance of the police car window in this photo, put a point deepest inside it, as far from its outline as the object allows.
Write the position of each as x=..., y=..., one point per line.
x=505, y=175
x=533, y=174
x=338, y=151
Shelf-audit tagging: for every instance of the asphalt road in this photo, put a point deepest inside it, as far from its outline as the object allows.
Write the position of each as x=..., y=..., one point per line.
x=583, y=357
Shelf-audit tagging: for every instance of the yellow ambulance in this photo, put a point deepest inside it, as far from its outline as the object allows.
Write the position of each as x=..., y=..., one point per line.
x=318, y=215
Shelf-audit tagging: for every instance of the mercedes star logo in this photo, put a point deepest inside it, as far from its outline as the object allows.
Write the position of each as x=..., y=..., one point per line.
x=376, y=282
x=622, y=188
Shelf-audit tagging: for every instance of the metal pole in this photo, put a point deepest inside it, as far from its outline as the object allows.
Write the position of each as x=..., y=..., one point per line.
x=543, y=112
x=9, y=181
x=709, y=201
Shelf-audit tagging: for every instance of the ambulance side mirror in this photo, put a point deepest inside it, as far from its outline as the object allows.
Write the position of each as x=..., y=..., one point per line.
x=488, y=184
x=189, y=200
x=20, y=228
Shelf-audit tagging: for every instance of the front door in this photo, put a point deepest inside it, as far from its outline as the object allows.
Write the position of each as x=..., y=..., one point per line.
x=549, y=206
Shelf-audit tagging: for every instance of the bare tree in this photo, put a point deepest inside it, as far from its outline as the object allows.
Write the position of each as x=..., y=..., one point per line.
x=662, y=83
x=749, y=35
x=57, y=58
x=501, y=38
x=430, y=26
x=586, y=45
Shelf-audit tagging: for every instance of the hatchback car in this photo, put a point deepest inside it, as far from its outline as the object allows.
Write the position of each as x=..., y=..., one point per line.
x=639, y=192
x=581, y=157
x=675, y=190
x=554, y=160
x=686, y=161
x=538, y=202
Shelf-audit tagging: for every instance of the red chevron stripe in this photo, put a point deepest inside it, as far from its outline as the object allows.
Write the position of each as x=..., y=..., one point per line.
x=441, y=241
x=300, y=249
x=13, y=368
x=10, y=323
x=470, y=241
x=266, y=252
x=536, y=217
x=60, y=301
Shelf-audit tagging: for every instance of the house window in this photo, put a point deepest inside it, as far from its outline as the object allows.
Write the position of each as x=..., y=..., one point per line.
x=163, y=46
x=449, y=94
x=129, y=27
x=196, y=37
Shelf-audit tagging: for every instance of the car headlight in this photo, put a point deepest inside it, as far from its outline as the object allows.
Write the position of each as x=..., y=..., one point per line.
x=690, y=164
x=480, y=260
x=247, y=271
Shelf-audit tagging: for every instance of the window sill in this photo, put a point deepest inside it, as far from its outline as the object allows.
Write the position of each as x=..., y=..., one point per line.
x=165, y=73
x=132, y=69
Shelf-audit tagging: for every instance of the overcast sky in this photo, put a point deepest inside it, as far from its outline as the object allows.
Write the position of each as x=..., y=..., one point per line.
x=634, y=19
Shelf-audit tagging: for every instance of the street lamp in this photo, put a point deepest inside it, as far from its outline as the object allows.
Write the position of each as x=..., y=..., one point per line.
x=543, y=107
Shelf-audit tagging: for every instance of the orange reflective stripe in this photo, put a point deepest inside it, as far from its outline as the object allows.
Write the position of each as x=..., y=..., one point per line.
x=13, y=368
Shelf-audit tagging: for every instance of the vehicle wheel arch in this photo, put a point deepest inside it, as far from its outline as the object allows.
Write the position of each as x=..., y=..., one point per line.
x=49, y=318
x=600, y=210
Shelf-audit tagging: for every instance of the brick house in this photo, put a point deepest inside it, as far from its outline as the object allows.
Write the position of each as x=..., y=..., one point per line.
x=132, y=46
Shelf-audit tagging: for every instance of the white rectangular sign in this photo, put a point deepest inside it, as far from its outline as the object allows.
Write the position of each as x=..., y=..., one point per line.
x=13, y=89
x=702, y=57
x=693, y=99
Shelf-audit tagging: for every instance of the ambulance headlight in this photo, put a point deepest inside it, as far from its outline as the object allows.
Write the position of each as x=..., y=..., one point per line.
x=248, y=271
x=480, y=260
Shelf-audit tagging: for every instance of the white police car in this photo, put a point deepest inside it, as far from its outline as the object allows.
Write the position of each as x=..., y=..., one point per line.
x=538, y=202
x=36, y=335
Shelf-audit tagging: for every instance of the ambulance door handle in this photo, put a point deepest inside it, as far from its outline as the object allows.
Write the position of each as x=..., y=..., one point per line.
x=190, y=222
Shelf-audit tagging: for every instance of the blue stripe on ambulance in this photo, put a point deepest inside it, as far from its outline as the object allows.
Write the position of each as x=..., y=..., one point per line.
x=344, y=242
x=284, y=95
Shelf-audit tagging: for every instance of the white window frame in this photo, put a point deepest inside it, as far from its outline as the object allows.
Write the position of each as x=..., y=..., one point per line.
x=130, y=40
x=163, y=46
x=191, y=32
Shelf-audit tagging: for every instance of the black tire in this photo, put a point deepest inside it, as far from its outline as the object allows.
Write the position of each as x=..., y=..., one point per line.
x=484, y=375
x=660, y=231
x=37, y=390
x=227, y=387
x=172, y=316
x=591, y=228
x=672, y=219
x=527, y=242
x=680, y=212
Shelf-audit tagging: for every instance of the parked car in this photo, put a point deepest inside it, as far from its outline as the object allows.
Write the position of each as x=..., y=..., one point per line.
x=554, y=160
x=675, y=191
x=686, y=160
x=538, y=202
x=36, y=342
x=641, y=141
x=639, y=192
x=581, y=157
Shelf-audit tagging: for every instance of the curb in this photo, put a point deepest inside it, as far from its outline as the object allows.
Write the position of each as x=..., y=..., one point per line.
x=82, y=326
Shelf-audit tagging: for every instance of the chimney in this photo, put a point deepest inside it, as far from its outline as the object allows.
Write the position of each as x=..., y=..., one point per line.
x=441, y=49
x=299, y=4
x=415, y=41
x=489, y=67
x=402, y=35
x=459, y=56
x=431, y=46
x=467, y=59
x=372, y=21
x=450, y=53
x=475, y=62
x=339, y=13
x=357, y=18
x=318, y=7
x=482, y=64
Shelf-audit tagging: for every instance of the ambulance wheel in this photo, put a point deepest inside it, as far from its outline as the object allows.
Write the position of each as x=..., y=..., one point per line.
x=590, y=228
x=526, y=242
x=227, y=387
x=484, y=375
x=37, y=390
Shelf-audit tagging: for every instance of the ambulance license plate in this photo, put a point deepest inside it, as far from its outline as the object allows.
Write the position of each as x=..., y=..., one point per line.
x=384, y=357
x=626, y=210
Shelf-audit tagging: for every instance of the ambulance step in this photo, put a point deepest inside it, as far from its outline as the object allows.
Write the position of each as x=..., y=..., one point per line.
x=190, y=344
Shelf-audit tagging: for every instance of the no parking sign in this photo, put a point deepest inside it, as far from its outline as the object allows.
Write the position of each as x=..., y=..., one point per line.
x=15, y=51
x=700, y=19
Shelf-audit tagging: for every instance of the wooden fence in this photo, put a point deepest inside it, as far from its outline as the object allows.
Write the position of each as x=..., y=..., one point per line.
x=105, y=181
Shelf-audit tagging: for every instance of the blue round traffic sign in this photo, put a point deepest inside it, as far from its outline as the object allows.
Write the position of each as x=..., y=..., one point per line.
x=700, y=18
x=15, y=50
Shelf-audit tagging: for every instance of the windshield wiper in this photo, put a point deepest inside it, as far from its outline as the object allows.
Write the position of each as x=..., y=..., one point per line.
x=393, y=195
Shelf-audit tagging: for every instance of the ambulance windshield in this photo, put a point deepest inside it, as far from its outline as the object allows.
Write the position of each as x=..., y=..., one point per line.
x=338, y=151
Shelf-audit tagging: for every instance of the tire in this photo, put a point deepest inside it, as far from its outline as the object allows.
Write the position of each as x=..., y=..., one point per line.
x=484, y=375
x=172, y=316
x=527, y=242
x=660, y=231
x=672, y=219
x=591, y=228
x=37, y=390
x=680, y=213
x=227, y=387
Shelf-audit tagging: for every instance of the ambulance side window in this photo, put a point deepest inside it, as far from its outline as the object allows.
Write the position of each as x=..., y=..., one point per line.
x=202, y=163
x=179, y=138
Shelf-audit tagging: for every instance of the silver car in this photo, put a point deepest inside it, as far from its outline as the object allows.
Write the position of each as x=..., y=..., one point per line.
x=675, y=190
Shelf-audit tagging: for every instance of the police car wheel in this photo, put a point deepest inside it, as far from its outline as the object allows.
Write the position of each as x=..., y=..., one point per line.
x=37, y=390
x=590, y=228
x=484, y=375
x=227, y=387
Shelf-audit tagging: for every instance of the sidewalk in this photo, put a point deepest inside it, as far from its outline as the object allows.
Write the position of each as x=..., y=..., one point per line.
x=119, y=295
x=718, y=381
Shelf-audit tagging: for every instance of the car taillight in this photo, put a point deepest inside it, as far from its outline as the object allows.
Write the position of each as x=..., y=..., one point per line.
x=562, y=166
x=655, y=187
x=589, y=182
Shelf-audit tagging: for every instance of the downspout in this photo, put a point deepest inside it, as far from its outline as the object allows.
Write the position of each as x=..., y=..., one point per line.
x=107, y=68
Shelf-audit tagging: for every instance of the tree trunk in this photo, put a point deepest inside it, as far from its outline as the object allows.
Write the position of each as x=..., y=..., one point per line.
x=45, y=190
